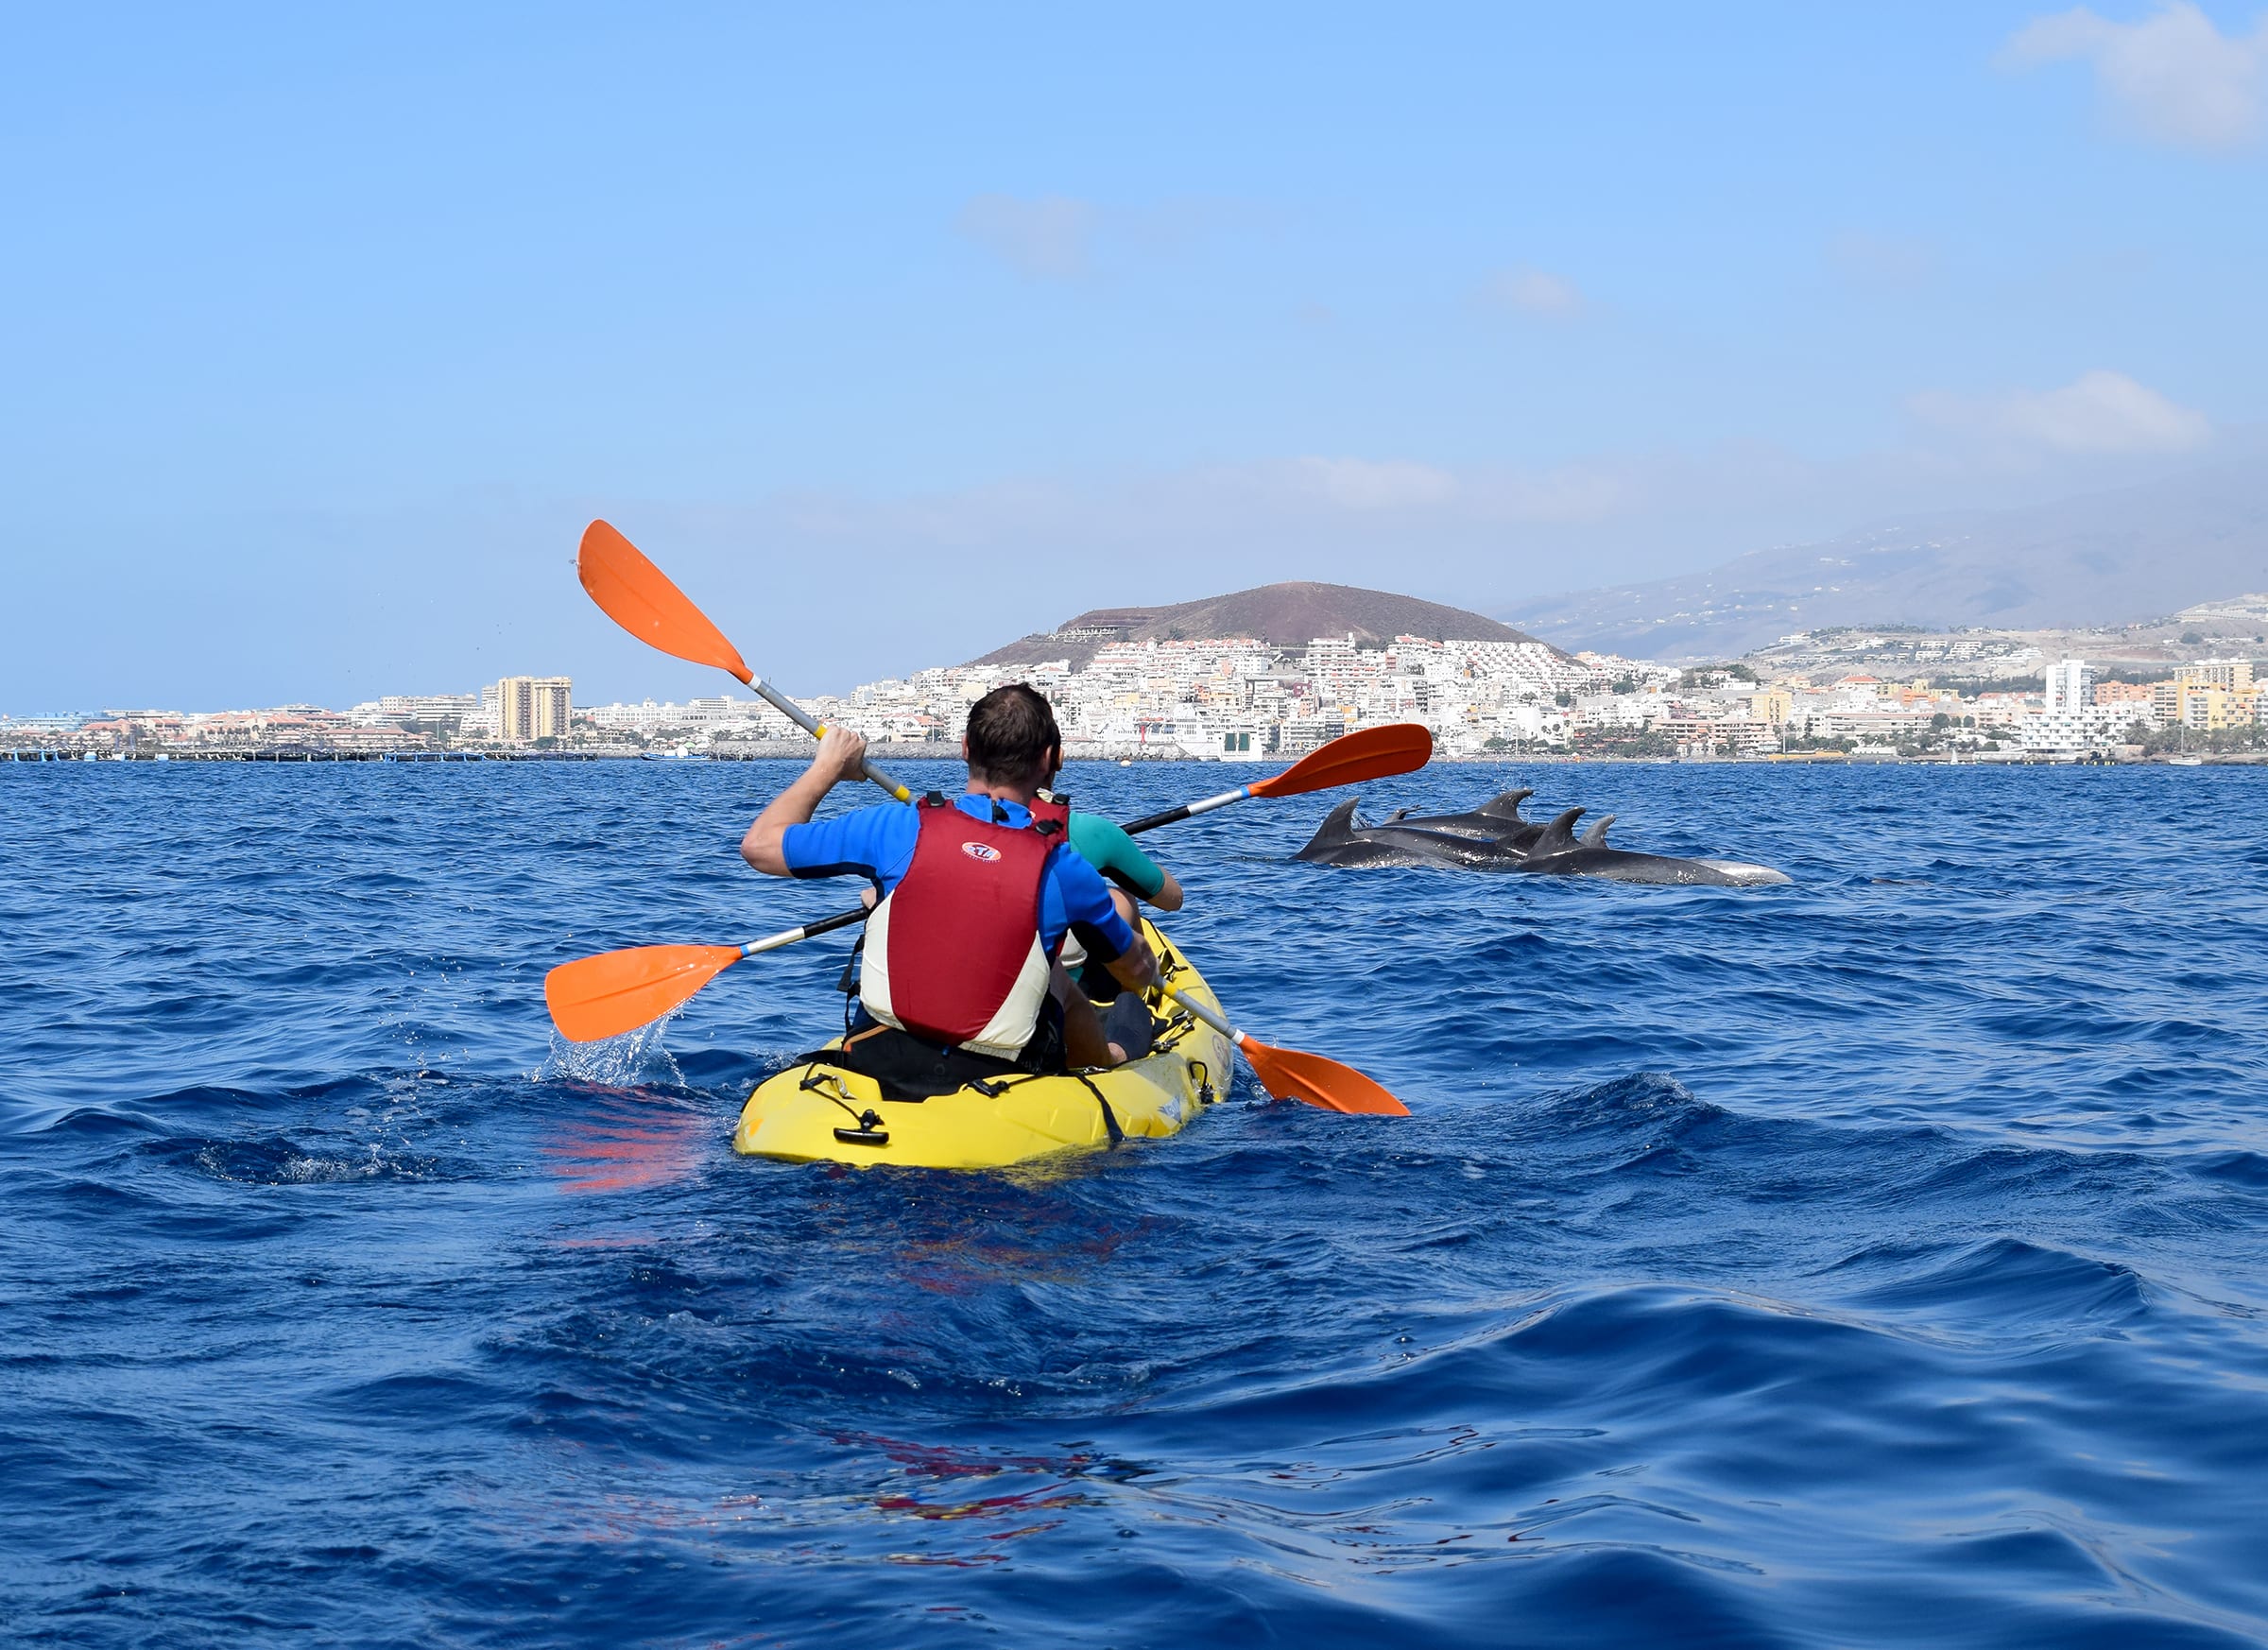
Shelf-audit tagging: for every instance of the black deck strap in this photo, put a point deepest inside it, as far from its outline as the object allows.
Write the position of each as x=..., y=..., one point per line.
x=814, y=1082
x=1117, y=1135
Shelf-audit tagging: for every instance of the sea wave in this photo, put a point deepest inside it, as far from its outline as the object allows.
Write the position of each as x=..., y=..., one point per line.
x=1872, y=1260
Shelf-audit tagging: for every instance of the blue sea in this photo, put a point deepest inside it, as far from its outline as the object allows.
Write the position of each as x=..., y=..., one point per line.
x=1880, y=1260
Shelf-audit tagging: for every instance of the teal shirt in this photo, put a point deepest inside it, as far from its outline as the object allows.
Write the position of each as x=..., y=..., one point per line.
x=1113, y=853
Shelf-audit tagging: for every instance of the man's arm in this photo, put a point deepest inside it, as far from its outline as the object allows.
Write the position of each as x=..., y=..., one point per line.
x=1112, y=852
x=1136, y=967
x=1106, y=936
x=842, y=755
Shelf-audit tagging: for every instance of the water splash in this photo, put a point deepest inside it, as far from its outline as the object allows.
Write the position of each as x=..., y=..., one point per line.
x=637, y=1058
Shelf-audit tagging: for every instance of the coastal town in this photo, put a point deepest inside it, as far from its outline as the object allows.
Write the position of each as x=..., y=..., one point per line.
x=1242, y=699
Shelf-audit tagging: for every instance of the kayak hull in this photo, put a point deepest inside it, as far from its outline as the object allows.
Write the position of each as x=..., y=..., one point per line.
x=814, y=1112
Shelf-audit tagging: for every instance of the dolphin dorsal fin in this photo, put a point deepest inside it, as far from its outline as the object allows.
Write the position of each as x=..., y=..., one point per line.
x=1596, y=835
x=1396, y=815
x=1505, y=805
x=1559, y=836
x=1339, y=823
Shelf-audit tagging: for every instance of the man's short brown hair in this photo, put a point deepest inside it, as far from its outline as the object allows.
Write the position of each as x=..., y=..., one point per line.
x=1012, y=737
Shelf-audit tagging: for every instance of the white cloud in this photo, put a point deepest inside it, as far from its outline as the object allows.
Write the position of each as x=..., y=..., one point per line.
x=1046, y=237
x=2099, y=412
x=2174, y=76
x=1368, y=484
x=1534, y=292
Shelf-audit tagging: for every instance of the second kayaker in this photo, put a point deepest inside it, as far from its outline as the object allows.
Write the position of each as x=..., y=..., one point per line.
x=1112, y=852
x=961, y=977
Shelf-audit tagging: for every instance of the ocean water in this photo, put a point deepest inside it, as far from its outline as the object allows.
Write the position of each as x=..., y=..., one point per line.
x=1873, y=1261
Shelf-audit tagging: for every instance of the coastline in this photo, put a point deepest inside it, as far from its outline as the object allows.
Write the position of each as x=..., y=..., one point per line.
x=905, y=752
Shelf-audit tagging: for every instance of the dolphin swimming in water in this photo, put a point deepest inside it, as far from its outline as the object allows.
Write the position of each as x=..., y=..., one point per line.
x=1495, y=838
x=1342, y=839
x=1558, y=853
x=1495, y=820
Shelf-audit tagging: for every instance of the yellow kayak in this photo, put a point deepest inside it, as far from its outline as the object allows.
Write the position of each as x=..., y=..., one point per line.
x=817, y=1112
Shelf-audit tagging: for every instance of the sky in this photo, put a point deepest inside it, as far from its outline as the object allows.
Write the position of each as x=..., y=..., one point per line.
x=894, y=332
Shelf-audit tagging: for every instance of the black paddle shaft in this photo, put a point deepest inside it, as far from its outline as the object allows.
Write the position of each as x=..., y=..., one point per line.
x=1154, y=821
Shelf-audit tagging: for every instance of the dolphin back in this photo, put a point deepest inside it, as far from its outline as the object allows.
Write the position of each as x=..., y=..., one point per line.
x=1337, y=832
x=1559, y=836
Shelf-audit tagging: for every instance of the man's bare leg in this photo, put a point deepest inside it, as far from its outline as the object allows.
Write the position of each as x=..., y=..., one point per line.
x=1084, y=1044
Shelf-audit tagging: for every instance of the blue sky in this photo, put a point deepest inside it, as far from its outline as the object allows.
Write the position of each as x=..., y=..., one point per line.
x=897, y=332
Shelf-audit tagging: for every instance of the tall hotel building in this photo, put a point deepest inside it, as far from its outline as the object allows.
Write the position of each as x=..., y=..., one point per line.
x=532, y=707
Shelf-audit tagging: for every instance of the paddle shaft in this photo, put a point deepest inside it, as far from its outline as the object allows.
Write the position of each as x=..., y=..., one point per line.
x=1207, y=1015
x=804, y=719
x=789, y=936
x=1350, y=758
x=1188, y=810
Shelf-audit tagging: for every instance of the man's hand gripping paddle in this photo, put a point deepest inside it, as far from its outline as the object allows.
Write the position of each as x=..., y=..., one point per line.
x=620, y=991
x=640, y=597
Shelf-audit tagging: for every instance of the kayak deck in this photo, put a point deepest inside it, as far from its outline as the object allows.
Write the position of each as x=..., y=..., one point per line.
x=813, y=1112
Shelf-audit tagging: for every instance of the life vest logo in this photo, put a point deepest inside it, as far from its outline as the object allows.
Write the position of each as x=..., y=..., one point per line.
x=983, y=850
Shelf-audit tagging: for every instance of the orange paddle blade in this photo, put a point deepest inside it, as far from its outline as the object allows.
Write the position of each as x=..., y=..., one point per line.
x=1289, y=1074
x=621, y=990
x=1370, y=753
x=638, y=596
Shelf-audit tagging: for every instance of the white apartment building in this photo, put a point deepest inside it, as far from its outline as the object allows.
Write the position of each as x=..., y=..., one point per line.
x=2074, y=726
x=2070, y=686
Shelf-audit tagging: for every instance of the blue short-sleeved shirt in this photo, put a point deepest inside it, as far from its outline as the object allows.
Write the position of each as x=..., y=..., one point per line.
x=877, y=843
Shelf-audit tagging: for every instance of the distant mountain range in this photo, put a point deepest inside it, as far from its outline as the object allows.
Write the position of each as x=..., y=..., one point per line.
x=1290, y=615
x=2105, y=558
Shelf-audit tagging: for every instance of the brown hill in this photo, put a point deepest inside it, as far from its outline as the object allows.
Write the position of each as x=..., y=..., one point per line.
x=1288, y=615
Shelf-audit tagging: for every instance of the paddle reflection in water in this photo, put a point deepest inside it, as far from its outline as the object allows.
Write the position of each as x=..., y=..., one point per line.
x=1028, y=1491
x=628, y=1143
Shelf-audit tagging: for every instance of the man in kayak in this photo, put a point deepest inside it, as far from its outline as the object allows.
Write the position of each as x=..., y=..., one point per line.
x=1112, y=852
x=961, y=977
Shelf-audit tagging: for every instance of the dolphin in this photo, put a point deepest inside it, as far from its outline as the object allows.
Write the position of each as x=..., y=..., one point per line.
x=1495, y=820
x=1343, y=839
x=1558, y=853
x=1552, y=850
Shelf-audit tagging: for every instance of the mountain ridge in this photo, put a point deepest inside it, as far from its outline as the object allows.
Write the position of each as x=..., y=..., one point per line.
x=1288, y=614
x=2098, y=558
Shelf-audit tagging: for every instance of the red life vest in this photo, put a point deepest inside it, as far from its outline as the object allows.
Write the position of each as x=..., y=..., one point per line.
x=952, y=952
